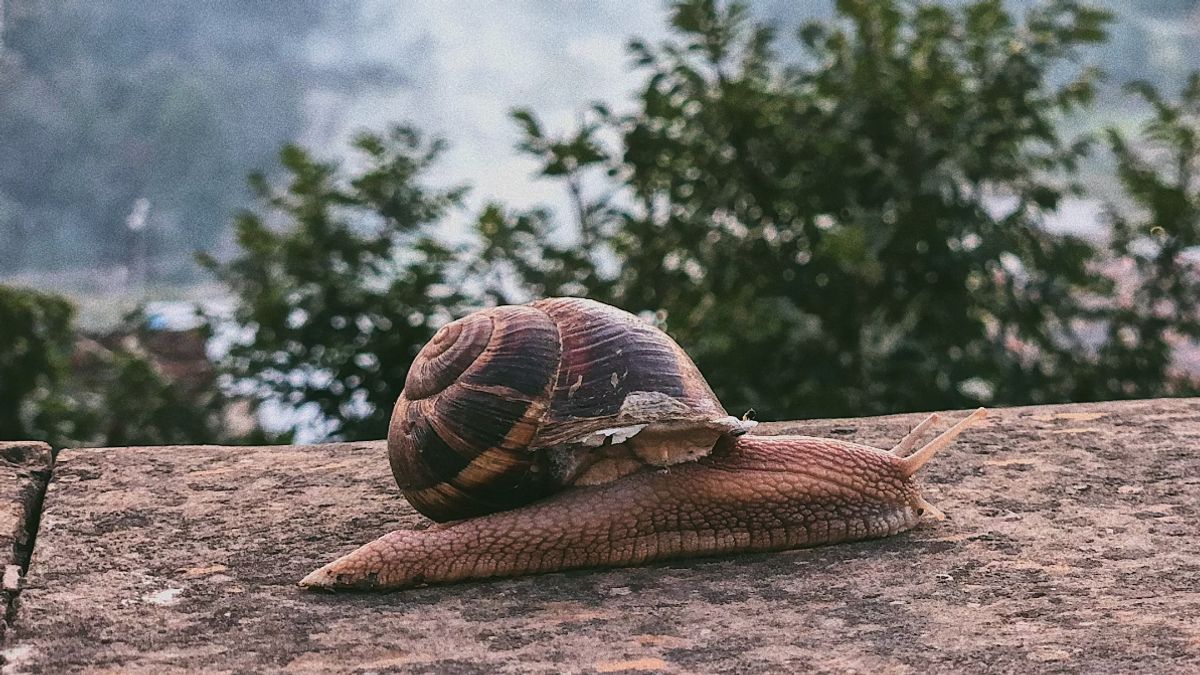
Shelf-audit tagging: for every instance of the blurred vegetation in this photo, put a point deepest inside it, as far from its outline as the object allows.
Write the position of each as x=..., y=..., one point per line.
x=1160, y=243
x=70, y=390
x=853, y=226
x=868, y=218
x=36, y=336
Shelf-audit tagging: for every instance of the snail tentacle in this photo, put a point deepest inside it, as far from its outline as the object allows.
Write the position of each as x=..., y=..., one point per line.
x=918, y=459
x=910, y=439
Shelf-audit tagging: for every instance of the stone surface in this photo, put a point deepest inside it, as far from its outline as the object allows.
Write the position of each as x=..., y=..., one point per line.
x=1071, y=545
x=24, y=470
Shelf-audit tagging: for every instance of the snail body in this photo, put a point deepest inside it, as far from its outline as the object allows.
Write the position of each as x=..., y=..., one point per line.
x=539, y=435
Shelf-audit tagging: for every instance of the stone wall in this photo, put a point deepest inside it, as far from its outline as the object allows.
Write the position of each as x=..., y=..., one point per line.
x=1071, y=546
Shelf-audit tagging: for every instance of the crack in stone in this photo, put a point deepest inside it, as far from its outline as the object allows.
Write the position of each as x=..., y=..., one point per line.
x=24, y=457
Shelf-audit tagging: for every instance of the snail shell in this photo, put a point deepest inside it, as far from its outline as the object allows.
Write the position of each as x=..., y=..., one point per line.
x=510, y=404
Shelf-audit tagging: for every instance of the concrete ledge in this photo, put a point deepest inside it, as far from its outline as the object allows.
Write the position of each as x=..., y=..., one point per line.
x=1071, y=546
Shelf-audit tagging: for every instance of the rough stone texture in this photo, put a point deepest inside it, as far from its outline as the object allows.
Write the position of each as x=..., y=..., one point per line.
x=24, y=469
x=1071, y=546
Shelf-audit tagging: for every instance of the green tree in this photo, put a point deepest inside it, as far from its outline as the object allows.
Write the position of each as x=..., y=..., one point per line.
x=856, y=232
x=342, y=293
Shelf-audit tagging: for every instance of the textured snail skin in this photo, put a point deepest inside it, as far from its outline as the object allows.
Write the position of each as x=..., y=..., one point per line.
x=753, y=493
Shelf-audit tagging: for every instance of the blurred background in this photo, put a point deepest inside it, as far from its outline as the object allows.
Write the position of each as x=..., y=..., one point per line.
x=239, y=222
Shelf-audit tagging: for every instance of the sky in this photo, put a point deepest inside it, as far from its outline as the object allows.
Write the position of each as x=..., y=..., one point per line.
x=454, y=69
x=467, y=70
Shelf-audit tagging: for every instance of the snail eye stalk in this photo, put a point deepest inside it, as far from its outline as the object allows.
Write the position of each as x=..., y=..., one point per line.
x=911, y=438
x=921, y=457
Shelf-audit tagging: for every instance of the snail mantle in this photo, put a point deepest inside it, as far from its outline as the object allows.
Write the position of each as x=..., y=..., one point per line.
x=1070, y=545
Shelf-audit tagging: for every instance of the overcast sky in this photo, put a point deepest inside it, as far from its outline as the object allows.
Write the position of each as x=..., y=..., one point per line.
x=468, y=69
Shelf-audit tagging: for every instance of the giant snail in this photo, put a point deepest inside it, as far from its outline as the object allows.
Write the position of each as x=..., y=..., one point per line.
x=568, y=434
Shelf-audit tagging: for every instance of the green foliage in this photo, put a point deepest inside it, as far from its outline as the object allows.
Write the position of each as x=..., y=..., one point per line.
x=67, y=390
x=857, y=232
x=341, y=295
x=35, y=348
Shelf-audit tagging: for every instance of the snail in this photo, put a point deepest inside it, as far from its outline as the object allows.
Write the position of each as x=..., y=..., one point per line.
x=568, y=434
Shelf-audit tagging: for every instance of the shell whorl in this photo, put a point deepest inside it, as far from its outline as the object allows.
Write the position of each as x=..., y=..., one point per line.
x=451, y=351
x=458, y=438
x=494, y=388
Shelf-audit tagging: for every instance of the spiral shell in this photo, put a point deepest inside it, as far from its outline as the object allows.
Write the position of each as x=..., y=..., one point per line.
x=503, y=406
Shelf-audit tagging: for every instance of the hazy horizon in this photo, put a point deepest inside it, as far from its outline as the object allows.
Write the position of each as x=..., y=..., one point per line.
x=451, y=73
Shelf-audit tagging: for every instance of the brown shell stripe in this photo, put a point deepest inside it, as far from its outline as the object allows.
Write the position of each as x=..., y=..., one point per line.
x=601, y=344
